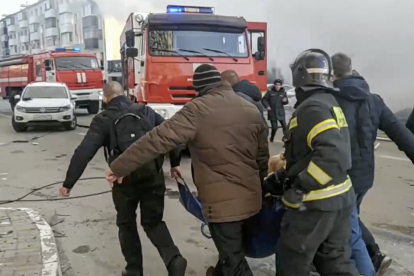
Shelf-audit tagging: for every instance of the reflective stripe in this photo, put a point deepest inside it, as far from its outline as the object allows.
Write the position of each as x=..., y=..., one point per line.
x=290, y=205
x=319, y=128
x=340, y=117
x=318, y=174
x=293, y=123
x=330, y=191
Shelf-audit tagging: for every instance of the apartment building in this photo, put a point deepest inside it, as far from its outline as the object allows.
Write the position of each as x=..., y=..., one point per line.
x=50, y=24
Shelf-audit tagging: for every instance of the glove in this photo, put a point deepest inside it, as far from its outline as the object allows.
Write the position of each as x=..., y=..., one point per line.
x=293, y=199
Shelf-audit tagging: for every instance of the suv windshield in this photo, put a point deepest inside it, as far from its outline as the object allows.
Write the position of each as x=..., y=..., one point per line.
x=45, y=92
x=198, y=43
x=76, y=63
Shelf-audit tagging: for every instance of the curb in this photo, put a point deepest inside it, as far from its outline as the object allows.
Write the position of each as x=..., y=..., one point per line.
x=50, y=257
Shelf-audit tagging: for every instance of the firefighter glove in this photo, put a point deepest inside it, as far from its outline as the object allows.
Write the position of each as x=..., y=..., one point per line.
x=293, y=198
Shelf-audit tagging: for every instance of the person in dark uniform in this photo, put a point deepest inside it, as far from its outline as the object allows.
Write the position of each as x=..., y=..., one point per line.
x=274, y=101
x=316, y=227
x=12, y=100
x=148, y=192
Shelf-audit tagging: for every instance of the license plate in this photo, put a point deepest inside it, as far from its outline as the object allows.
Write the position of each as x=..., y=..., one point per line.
x=43, y=117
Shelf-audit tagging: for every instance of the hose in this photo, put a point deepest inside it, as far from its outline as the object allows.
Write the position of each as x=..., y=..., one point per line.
x=22, y=198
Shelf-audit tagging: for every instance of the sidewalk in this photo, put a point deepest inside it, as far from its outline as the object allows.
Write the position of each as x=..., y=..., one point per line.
x=27, y=244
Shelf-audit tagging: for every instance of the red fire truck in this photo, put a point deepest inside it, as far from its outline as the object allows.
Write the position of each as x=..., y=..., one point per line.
x=80, y=71
x=160, y=52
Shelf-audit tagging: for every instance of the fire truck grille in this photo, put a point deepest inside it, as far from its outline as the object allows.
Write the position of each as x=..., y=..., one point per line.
x=42, y=109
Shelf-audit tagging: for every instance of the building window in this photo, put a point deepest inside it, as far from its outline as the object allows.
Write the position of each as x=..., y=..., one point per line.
x=91, y=33
x=41, y=9
x=38, y=69
x=36, y=12
x=51, y=41
x=67, y=38
x=50, y=23
x=34, y=28
x=88, y=10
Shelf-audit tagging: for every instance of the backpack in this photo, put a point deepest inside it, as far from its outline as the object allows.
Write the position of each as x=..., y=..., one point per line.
x=127, y=126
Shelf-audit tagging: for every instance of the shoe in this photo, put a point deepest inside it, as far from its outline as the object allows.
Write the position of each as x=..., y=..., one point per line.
x=381, y=264
x=177, y=266
x=210, y=271
x=131, y=272
x=271, y=140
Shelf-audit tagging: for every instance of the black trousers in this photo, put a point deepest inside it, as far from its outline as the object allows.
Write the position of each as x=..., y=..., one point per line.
x=275, y=127
x=315, y=236
x=228, y=238
x=372, y=246
x=150, y=197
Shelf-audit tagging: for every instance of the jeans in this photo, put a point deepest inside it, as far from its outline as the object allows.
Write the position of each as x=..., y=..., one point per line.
x=359, y=250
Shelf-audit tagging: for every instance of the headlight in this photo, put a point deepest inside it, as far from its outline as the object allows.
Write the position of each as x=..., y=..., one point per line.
x=162, y=112
x=65, y=108
x=20, y=109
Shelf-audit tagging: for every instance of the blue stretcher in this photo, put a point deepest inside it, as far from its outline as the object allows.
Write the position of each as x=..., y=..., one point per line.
x=262, y=230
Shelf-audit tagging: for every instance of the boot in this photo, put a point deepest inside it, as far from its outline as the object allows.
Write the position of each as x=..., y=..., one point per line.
x=177, y=266
x=131, y=272
x=381, y=264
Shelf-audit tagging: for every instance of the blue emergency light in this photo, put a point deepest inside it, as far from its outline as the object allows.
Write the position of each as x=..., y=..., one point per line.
x=189, y=9
x=74, y=49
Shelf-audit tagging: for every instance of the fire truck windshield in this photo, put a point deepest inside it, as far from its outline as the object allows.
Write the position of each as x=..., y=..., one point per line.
x=195, y=43
x=74, y=63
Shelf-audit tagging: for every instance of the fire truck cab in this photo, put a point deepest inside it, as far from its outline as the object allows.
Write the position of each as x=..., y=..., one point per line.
x=81, y=72
x=160, y=51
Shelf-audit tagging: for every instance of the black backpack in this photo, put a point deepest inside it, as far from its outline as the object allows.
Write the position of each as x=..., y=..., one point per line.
x=127, y=126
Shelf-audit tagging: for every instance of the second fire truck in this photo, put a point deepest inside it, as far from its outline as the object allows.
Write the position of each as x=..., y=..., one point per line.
x=160, y=51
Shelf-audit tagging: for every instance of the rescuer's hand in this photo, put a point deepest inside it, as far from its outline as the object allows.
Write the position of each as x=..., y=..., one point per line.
x=64, y=192
x=111, y=178
x=175, y=172
x=293, y=198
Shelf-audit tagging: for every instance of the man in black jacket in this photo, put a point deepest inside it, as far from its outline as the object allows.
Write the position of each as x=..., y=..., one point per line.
x=148, y=193
x=365, y=114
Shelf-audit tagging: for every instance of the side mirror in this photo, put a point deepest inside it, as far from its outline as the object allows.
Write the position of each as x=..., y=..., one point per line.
x=17, y=97
x=48, y=68
x=73, y=98
x=259, y=56
x=47, y=63
x=261, y=44
x=130, y=38
x=131, y=52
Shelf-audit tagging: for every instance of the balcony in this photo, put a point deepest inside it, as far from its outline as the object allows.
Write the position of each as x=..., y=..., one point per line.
x=13, y=42
x=24, y=39
x=23, y=24
x=64, y=8
x=4, y=37
x=51, y=32
x=34, y=19
x=66, y=28
x=5, y=52
x=25, y=52
x=50, y=13
x=12, y=28
x=51, y=48
x=35, y=36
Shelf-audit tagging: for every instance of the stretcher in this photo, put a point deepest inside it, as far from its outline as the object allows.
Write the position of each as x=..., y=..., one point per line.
x=261, y=232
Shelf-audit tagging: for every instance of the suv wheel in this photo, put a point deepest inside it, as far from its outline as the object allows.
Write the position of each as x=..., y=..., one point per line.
x=18, y=127
x=72, y=124
x=93, y=107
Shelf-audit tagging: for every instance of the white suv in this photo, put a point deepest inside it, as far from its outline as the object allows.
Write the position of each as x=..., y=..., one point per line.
x=44, y=104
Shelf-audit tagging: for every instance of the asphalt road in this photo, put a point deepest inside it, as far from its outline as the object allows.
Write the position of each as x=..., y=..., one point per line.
x=87, y=234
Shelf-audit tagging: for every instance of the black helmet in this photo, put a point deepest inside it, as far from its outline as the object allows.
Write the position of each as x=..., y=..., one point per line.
x=312, y=68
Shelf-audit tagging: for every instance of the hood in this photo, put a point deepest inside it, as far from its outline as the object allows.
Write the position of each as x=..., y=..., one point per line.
x=353, y=88
x=44, y=103
x=248, y=89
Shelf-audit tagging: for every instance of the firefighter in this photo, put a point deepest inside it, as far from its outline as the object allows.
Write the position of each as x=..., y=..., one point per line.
x=319, y=202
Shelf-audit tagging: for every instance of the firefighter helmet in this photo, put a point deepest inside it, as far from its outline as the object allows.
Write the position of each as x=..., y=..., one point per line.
x=312, y=68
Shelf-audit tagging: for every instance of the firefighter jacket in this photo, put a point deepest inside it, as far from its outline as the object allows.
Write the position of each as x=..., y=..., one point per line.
x=318, y=153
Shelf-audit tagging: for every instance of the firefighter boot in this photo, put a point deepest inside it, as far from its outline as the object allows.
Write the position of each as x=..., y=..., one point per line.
x=177, y=266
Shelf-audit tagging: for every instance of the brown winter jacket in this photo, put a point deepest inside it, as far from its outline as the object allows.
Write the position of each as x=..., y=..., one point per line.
x=228, y=144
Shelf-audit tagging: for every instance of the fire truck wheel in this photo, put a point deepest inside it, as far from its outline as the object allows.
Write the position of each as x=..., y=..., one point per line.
x=18, y=127
x=71, y=125
x=93, y=107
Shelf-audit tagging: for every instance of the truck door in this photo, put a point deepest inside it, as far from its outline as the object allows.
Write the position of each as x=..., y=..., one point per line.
x=256, y=30
x=50, y=70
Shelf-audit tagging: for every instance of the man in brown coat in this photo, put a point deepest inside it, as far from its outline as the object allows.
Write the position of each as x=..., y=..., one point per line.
x=227, y=140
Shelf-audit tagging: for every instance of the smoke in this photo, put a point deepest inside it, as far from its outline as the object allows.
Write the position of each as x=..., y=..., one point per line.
x=377, y=34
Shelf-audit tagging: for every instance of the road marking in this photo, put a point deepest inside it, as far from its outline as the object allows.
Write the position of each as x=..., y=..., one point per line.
x=395, y=158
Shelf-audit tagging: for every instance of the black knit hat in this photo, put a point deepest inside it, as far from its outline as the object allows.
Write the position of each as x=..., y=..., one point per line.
x=205, y=75
x=278, y=81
